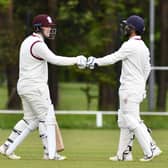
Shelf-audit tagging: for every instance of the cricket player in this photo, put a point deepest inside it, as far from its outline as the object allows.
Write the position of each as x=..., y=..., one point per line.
x=135, y=71
x=33, y=89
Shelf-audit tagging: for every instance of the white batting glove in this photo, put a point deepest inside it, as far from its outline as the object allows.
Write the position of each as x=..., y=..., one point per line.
x=91, y=62
x=81, y=61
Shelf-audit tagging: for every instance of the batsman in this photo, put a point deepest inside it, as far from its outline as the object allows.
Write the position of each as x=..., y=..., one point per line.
x=134, y=55
x=33, y=90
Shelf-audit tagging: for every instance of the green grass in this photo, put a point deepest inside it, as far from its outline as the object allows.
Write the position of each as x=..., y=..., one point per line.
x=3, y=96
x=73, y=98
x=86, y=121
x=84, y=149
x=65, y=121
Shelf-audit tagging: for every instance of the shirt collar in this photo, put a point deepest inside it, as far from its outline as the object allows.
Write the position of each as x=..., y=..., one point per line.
x=136, y=38
x=38, y=35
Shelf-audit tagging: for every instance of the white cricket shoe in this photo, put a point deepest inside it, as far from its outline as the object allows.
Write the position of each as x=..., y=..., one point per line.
x=12, y=156
x=127, y=157
x=146, y=158
x=57, y=157
x=156, y=152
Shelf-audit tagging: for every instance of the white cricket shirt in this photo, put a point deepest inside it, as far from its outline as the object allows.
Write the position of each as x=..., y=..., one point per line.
x=135, y=63
x=33, y=67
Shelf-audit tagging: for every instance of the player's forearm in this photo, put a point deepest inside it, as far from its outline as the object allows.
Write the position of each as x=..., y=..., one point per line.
x=109, y=59
x=62, y=61
x=49, y=56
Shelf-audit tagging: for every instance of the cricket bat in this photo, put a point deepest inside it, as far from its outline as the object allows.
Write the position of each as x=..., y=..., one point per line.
x=59, y=140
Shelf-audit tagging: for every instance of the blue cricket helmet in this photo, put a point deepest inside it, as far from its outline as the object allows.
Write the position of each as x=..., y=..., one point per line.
x=136, y=22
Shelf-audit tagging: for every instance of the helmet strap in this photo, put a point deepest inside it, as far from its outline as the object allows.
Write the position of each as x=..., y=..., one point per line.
x=128, y=29
x=37, y=29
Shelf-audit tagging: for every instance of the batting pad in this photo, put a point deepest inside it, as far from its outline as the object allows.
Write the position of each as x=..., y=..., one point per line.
x=51, y=134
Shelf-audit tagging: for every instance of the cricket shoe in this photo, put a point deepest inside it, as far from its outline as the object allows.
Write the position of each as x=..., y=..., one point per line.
x=156, y=152
x=127, y=157
x=147, y=158
x=57, y=157
x=12, y=156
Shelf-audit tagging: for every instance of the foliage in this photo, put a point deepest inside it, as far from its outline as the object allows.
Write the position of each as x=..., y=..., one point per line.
x=88, y=27
x=4, y=3
x=84, y=24
x=14, y=31
x=10, y=45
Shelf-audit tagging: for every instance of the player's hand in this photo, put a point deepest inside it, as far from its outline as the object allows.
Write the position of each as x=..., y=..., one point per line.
x=91, y=62
x=81, y=61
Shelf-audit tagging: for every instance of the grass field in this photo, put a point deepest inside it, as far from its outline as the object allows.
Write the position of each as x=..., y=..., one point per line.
x=84, y=149
x=3, y=96
x=71, y=97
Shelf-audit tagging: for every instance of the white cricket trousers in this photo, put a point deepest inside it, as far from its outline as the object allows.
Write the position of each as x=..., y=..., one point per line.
x=130, y=122
x=36, y=103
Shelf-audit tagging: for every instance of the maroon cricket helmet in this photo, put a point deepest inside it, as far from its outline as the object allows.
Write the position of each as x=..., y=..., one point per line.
x=43, y=20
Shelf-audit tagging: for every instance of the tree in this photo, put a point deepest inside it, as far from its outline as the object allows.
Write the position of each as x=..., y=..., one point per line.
x=10, y=56
x=12, y=34
x=162, y=75
x=88, y=27
x=108, y=90
x=96, y=27
x=53, y=73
